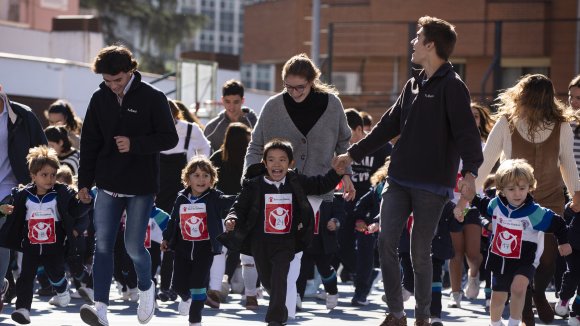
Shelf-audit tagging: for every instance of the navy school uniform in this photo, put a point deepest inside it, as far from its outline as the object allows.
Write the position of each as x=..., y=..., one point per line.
x=571, y=278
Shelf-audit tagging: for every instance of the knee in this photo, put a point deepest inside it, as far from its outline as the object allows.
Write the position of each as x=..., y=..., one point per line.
x=518, y=289
x=135, y=249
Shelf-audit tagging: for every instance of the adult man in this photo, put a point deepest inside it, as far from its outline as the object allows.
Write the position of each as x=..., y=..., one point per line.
x=127, y=124
x=232, y=100
x=19, y=131
x=436, y=128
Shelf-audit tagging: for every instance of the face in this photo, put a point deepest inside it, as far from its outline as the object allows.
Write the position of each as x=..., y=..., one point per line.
x=233, y=106
x=56, y=119
x=420, y=49
x=297, y=87
x=277, y=164
x=118, y=82
x=574, y=97
x=516, y=193
x=199, y=181
x=44, y=179
x=356, y=134
x=56, y=146
x=476, y=116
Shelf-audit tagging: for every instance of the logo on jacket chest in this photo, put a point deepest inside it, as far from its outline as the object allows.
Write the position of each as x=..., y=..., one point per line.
x=132, y=110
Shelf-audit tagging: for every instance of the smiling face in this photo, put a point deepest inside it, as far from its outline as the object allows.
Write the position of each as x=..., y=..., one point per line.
x=233, y=106
x=574, y=97
x=516, y=193
x=199, y=182
x=297, y=87
x=277, y=164
x=44, y=179
x=118, y=82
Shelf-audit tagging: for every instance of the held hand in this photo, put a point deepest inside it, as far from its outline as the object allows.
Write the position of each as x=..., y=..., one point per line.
x=459, y=210
x=360, y=226
x=230, y=225
x=373, y=228
x=84, y=196
x=331, y=225
x=343, y=160
x=339, y=168
x=123, y=143
x=164, y=247
x=348, y=191
x=575, y=205
x=565, y=249
x=466, y=186
x=6, y=209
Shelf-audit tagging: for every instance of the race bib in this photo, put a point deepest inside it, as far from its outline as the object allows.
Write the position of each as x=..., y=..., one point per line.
x=41, y=227
x=507, y=240
x=193, y=222
x=148, y=236
x=278, y=213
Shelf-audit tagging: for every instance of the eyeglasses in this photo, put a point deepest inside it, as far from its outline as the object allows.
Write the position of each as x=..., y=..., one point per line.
x=298, y=88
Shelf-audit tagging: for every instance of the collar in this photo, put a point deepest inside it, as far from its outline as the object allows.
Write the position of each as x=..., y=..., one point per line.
x=11, y=114
x=419, y=74
x=275, y=183
x=128, y=86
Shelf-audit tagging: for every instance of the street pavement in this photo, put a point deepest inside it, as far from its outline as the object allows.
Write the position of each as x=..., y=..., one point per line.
x=233, y=313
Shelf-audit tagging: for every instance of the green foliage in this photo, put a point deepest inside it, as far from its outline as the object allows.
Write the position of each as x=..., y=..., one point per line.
x=158, y=26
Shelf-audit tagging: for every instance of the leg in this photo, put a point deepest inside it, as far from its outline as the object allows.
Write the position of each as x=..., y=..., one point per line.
x=291, y=290
x=518, y=294
x=472, y=244
x=138, y=210
x=155, y=253
x=498, y=299
x=436, y=286
x=54, y=268
x=4, y=256
x=543, y=277
x=365, y=255
x=250, y=275
x=327, y=273
x=25, y=283
x=407, y=267
x=280, y=264
x=166, y=270
x=218, y=268
x=306, y=272
x=456, y=263
x=198, y=279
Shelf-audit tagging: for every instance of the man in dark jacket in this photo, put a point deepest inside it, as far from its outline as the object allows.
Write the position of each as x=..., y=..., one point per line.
x=128, y=122
x=433, y=118
x=19, y=131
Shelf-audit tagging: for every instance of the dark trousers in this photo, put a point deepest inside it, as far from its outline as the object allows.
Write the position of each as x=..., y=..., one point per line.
x=571, y=278
x=365, y=264
x=124, y=270
x=54, y=269
x=325, y=269
x=232, y=263
x=347, y=239
x=155, y=253
x=408, y=279
x=166, y=270
x=191, y=276
x=272, y=263
x=436, y=287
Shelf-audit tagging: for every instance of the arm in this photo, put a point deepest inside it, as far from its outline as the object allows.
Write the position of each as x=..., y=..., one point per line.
x=257, y=142
x=163, y=136
x=320, y=184
x=239, y=211
x=91, y=143
x=198, y=144
x=37, y=136
x=568, y=167
x=492, y=150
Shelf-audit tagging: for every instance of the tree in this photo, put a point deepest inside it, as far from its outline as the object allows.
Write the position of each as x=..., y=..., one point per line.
x=152, y=29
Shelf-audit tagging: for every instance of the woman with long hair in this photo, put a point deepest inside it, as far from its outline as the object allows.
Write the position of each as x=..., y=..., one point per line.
x=61, y=113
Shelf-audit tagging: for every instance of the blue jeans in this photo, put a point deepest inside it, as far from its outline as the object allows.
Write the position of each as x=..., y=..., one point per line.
x=107, y=217
x=397, y=204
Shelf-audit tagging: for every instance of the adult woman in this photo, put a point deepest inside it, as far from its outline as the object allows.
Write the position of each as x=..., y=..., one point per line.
x=534, y=125
x=62, y=113
x=59, y=140
x=466, y=241
x=310, y=115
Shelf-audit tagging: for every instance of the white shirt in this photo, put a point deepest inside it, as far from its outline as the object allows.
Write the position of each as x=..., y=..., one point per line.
x=198, y=144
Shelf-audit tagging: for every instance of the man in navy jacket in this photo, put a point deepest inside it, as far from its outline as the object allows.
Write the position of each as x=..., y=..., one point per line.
x=128, y=122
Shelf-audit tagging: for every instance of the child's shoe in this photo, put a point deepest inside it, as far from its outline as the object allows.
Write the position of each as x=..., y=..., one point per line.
x=574, y=321
x=213, y=299
x=436, y=321
x=87, y=294
x=131, y=295
x=183, y=307
x=472, y=289
x=146, y=307
x=561, y=308
x=21, y=316
x=455, y=299
x=60, y=299
x=251, y=302
x=194, y=324
x=95, y=316
x=331, y=301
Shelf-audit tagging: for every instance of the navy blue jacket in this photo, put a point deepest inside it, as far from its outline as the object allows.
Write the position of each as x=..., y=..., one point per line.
x=145, y=119
x=573, y=227
x=24, y=132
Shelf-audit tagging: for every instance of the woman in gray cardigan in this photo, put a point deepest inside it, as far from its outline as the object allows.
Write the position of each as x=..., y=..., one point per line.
x=309, y=114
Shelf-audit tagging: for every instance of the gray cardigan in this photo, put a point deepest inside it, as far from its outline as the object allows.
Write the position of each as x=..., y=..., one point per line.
x=312, y=154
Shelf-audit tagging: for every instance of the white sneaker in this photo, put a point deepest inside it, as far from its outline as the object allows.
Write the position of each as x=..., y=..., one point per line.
x=146, y=308
x=21, y=316
x=472, y=289
x=487, y=303
x=406, y=294
x=60, y=299
x=321, y=295
x=194, y=324
x=95, y=316
x=87, y=294
x=574, y=321
x=331, y=301
x=75, y=295
x=436, y=321
x=455, y=299
x=561, y=308
x=131, y=295
x=183, y=307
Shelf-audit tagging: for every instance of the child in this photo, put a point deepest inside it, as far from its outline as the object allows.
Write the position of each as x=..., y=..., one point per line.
x=518, y=226
x=43, y=214
x=571, y=278
x=272, y=219
x=196, y=221
x=58, y=139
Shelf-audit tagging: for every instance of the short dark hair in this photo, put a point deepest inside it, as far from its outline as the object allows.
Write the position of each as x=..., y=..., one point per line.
x=353, y=118
x=575, y=82
x=56, y=134
x=280, y=144
x=233, y=87
x=113, y=60
x=441, y=33
x=367, y=118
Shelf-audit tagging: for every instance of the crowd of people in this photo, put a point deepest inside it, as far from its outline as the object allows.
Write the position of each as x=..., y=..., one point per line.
x=142, y=194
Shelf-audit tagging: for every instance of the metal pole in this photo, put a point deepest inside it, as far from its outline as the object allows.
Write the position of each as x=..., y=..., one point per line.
x=315, y=48
x=497, y=73
x=330, y=52
x=577, y=61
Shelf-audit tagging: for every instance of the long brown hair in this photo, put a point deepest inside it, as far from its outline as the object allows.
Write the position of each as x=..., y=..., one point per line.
x=301, y=65
x=236, y=143
x=485, y=120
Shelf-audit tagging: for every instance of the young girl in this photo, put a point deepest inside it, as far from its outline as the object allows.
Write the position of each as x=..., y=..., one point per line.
x=196, y=221
x=42, y=215
x=518, y=226
x=59, y=140
x=273, y=219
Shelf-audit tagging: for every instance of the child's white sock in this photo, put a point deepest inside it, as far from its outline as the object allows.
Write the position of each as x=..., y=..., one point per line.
x=514, y=322
x=496, y=323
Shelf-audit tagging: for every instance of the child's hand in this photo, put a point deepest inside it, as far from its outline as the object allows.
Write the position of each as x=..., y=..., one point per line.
x=75, y=233
x=339, y=167
x=6, y=209
x=360, y=226
x=230, y=225
x=459, y=210
x=565, y=249
x=164, y=247
x=372, y=228
x=331, y=225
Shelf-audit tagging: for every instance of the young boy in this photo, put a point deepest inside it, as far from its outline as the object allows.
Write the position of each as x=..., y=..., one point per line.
x=42, y=216
x=272, y=219
x=518, y=226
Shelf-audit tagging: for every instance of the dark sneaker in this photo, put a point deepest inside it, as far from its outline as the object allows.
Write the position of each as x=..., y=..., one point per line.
x=251, y=302
x=46, y=291
x=423, y=322
x=391, y=320
x=213, y=299
x=21, y=316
